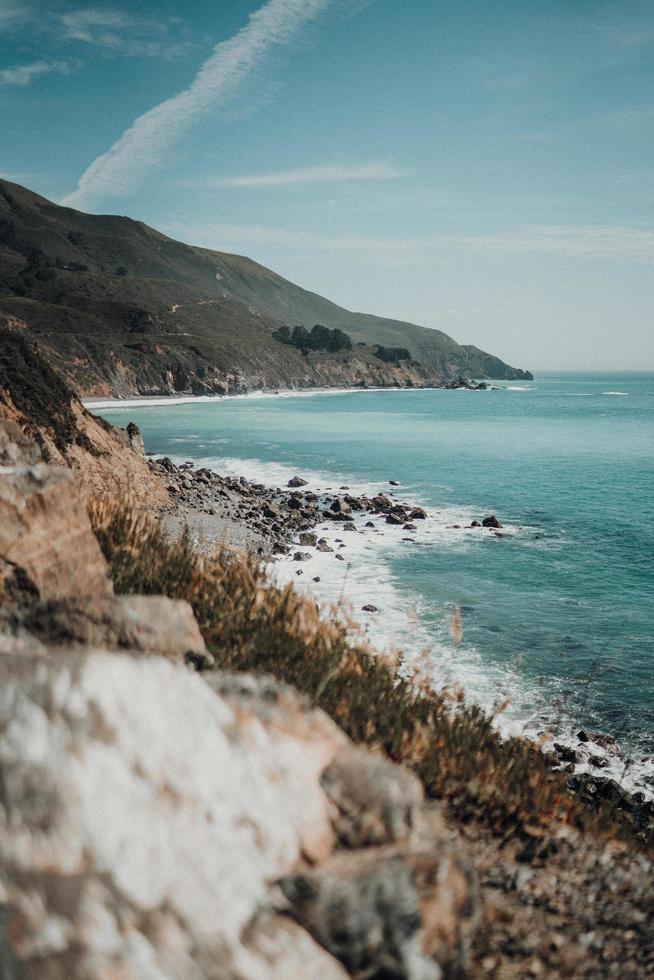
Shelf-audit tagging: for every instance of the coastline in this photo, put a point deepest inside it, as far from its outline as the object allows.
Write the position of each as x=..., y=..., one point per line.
x=163, y=401
x=323, y=539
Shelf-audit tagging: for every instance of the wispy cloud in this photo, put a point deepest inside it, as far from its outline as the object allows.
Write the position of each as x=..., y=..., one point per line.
x=629, y=118
x=324, y=174
x=598, y=241
x=566, y=241
x=145, y=144
x=11, y=11
x=213, y=233
x=119, y=32
x=25, y=74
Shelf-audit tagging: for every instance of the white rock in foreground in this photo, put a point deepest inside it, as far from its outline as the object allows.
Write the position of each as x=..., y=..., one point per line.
x=136, y=803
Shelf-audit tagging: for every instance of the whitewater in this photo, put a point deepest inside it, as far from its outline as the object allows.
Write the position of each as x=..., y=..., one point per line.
x=556, y=613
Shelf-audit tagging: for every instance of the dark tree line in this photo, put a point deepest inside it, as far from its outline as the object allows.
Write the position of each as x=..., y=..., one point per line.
x=318, y=338
x=392, y=355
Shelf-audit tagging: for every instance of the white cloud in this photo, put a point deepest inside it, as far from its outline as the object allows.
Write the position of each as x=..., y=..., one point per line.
x=599, y=241
x=565, y=241
x=145, y=144
x=95, y=26
x=212, y=234
x=636, y=119
x=11, y=11
x=119, y=32
x=310, y=175
x=25, y=74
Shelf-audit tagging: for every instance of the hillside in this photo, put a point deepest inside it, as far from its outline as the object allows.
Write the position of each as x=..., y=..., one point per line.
x=121, y=309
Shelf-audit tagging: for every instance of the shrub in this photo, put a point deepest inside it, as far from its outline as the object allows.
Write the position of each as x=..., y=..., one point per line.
x=392, y=355
x=318, y=338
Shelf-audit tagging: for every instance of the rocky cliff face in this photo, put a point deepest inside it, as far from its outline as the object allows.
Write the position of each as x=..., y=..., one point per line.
x=120, y=309
x=160, y=822
x=102, y=457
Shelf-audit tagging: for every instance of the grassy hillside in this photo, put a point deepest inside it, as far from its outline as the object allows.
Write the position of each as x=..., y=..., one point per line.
x=122, y=309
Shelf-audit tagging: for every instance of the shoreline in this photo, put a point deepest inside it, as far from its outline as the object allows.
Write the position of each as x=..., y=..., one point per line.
x=161, y=401
x=300, y=531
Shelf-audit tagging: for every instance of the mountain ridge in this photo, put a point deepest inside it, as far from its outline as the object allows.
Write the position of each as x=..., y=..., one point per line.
x=121, y=309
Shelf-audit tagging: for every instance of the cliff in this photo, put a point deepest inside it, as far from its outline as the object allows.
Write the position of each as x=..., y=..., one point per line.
x=41, y=404
x=121, y=309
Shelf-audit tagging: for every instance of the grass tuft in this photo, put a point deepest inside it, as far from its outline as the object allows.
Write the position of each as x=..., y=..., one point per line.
x=251, y=625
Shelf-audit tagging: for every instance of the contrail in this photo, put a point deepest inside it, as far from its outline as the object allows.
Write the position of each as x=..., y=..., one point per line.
x=143, y=146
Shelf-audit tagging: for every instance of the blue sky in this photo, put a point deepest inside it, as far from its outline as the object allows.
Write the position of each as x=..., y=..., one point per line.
x=485, y=168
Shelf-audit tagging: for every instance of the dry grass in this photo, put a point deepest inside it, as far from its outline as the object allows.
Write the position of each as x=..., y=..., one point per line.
x=250, y=625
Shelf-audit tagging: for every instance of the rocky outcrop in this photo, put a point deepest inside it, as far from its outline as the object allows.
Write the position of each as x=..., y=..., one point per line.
x=159, y=821
x=149, y=625
x=106, y=461
x=47, y=547
x=147, y=815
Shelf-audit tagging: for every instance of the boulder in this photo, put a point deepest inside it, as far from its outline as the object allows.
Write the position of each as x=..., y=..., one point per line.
x=369, y=608
x=411, y=912
x=153, y=625
x=145, y=816
x=340, y=507
x=135, y=438
x=277, y=948
x=47, y=546
x=606, y=742
x=301, y=556
x=491, y=521
x=378, y=802
x=308, y=539
x=417, y=514
x=16, y=449
x=394, y=519
x=297, y=481
x=323, y=546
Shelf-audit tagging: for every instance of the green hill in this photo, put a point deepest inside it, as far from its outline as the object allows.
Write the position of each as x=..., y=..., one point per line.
x=122, y=309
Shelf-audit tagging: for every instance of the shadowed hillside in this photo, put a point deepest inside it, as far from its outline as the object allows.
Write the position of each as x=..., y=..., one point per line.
x=121, y=309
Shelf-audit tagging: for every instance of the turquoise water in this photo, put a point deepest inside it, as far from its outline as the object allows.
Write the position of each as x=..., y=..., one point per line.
x=559, y=614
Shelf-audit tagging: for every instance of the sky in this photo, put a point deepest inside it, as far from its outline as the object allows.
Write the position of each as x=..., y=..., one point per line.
x=484, y=168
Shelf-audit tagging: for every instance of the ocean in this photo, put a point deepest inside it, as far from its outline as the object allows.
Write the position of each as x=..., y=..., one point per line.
x=557, y=614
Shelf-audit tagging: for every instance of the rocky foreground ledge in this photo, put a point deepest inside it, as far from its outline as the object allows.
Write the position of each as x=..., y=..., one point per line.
x=157, y=821
x=161, y=818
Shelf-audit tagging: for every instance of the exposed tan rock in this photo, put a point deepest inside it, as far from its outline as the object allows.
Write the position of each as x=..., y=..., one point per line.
x=47, y=546
x=402, y=910
x=16, y=449
x=113, y=468
x=106, y=460
x=307, y=739
x=277, y=947
x=152, y=625
x=142, y=820
x=377, y=801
